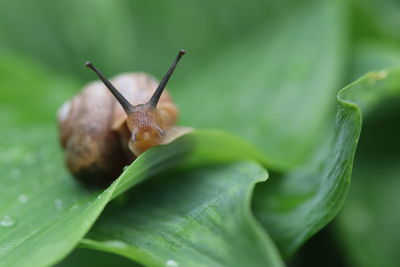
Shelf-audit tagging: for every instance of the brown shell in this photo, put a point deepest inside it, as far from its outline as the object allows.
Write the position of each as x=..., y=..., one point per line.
x=94, y=132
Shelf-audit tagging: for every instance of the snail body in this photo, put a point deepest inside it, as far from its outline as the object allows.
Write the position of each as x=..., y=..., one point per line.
x=103, y=129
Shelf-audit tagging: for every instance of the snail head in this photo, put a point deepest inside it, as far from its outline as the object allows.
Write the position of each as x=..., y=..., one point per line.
x=142, y=120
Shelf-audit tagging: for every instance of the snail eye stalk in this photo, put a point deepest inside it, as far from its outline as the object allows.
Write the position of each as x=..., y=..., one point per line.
x=128, y=107
x=157, y=93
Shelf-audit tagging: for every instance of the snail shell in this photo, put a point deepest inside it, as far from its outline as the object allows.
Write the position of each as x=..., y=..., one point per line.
x=102, y=130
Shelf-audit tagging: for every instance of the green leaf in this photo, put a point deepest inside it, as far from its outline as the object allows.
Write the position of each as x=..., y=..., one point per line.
x=264, y=89
x=199, y=217
x=51, y=28
x=25, y=86
x=377, y=18
x=300, y=203
x=373, y=55
x=81, y=258
x=131, y=39
x=45, y=212
x=368, y=225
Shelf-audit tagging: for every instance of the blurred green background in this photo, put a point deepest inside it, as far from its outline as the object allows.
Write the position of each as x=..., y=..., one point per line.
x=262, y=56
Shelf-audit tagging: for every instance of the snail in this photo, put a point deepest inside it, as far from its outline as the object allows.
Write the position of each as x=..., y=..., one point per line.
x=103, y=129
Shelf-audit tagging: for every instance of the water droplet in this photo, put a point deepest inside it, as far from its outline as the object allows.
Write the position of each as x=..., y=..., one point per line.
x=99, y=196
x=7, y=221
x=15, y=173
x=58, y=203
x=23, y=198
x=126, y=167
x=171, y=263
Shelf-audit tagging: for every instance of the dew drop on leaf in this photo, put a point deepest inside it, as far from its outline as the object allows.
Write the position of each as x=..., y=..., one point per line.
x=171, y=263
x=7, y=221
x=125, y=167
x=22, y=198
x=58, y=203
